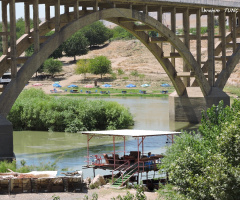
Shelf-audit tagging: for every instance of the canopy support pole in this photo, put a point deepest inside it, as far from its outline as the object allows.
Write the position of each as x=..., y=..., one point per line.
x=88, y=139
x=114, y=151
x=138, y=154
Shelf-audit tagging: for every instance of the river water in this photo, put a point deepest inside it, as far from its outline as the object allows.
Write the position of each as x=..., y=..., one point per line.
x=70, y=148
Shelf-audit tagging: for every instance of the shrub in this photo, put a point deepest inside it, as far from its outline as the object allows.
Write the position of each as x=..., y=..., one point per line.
x=52, y=66
x=35, y=110
x=206, y=165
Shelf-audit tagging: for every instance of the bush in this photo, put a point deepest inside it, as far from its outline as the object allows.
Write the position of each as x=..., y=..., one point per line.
x=206, y=165
x=120, y=33
x=35, y=110
x=52, y=66
x=5, y=165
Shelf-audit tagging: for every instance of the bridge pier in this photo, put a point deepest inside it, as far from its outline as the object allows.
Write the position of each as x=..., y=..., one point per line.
x=188, y=108
x=6, y=142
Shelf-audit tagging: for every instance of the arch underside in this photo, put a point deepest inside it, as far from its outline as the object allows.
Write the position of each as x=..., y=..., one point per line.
x=47, y=47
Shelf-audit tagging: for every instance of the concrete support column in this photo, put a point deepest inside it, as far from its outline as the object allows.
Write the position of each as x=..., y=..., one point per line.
x=173, y=28
x=57, y=16
x=145, y=10
x=160, y=19
x=186, y=27
x=76, y=10
x=4, y=28
x=47, y=12
x=13, y=39
x=198, y=34
x=6, y=142
x=36, y=25
x=66, y=11
x=27, y=18
x=95, y=8
x=234, y=31
x=211, y=60
x=230, y=22
x=222, y=31
x=188, y=108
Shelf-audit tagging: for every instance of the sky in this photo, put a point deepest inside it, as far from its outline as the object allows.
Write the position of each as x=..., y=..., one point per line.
x=20, y=11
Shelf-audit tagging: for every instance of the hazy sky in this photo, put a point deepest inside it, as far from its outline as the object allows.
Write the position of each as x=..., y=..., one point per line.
x=20, y=11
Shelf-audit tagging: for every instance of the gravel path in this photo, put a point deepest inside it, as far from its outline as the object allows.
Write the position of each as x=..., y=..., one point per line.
x=103, y=194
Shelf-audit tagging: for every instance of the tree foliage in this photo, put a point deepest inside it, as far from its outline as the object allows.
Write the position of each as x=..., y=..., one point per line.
x=206, y=165
x=52, y=66
x=100, y=65
x=83, y=67
x=77, y=45
x=96, y=33
x=34, y=110
x=119, y=33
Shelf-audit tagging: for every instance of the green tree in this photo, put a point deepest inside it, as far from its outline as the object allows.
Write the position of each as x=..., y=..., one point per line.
x=77, y=45
x=82, y=67
x=206, y=165
x=96, y=33
x=100, y=65
x=121, y=33
x=52, y=66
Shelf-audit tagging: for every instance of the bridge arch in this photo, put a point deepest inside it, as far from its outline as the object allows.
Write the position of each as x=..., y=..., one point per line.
x=17, y=84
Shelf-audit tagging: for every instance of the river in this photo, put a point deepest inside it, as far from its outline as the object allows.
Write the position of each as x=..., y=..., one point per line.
x=70, y=148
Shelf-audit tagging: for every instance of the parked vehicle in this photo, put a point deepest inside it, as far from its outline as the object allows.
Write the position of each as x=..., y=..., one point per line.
x=6, y=78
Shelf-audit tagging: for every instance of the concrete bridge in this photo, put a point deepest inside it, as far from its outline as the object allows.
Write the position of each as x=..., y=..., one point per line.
x=198, y=84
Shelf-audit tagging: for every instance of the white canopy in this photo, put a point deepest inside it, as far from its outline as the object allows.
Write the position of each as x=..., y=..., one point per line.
x=130, y=132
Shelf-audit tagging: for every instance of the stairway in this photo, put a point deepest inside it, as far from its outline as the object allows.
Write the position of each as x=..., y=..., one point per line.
x=125, y=177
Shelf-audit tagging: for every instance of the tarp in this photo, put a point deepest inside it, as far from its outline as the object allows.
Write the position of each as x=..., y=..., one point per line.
x=145, y=85
x=165, y=85
x=88, y=86
x=56, y=85
x=106, y=85
x=37, y=84
x=130, y=85
x=72, y=86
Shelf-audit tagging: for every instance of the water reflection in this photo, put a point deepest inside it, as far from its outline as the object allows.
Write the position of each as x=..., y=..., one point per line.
x=149, y=114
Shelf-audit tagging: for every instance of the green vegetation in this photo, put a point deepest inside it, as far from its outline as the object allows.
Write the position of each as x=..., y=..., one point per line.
x=206, y=165
x=194, y=31
x=34, y=110
x=100, y=65
x=119, y=33
x=138, y=196
x=52, y=66
x=114, y=92
x=169, y=192
x=5, y=165
x=82, y=67
x=232, y=89
x=96, y=33
x=76, y=45
x=94, y=197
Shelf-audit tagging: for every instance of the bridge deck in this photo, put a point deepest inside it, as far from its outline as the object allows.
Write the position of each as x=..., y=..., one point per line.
x=196, y=3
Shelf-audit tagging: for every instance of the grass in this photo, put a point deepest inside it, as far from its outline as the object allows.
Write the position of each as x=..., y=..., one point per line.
x=115, y=92
x=234, y=90
x=169, y=192
x=49, y=166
